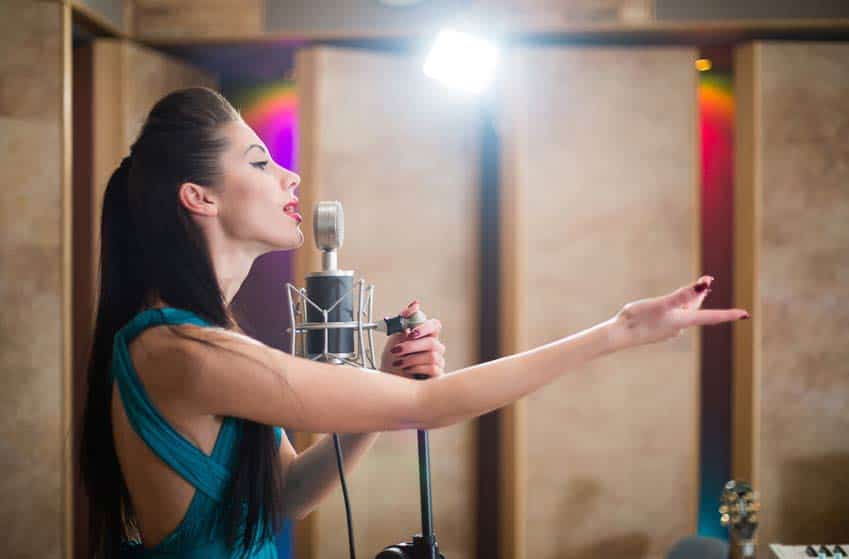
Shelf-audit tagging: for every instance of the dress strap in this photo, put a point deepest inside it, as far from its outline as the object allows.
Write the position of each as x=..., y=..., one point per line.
x=209, y=474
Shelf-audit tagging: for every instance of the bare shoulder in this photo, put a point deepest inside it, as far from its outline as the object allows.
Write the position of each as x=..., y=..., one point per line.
x=214, y=371
x=171, y=359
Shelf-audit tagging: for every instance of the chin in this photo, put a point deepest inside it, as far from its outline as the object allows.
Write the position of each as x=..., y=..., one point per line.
x=290, y=242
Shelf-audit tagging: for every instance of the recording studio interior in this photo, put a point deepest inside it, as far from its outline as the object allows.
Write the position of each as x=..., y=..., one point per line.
x=518, y=182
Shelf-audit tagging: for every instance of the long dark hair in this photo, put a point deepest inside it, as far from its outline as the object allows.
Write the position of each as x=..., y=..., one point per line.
x=150, y=247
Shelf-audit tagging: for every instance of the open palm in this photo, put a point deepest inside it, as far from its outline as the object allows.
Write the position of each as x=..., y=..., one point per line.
x=660, y=318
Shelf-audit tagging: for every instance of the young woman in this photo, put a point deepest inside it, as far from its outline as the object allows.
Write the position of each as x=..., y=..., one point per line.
x=181, y=445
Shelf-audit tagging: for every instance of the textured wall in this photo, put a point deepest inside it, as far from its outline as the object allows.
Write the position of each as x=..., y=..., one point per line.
x=401, y=155
x=795, y=244
x=31, y=291
x=602, y=200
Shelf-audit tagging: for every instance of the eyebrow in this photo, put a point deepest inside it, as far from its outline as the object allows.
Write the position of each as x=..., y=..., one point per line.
x=254, y=146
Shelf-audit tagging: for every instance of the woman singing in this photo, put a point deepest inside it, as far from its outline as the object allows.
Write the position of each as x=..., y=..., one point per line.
x=181, y=441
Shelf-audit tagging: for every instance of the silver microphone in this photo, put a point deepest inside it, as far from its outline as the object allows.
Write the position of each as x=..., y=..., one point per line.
x=332, y=317
x=329, y=231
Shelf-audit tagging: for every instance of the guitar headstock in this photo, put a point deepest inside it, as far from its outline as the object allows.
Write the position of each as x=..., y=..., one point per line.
x=739, y=508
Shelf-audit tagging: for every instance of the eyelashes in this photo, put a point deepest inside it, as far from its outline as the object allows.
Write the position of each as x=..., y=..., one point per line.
x=260, y=164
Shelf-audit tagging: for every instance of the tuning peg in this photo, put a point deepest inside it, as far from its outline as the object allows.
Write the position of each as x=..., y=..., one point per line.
x=723, y=509
x=753, y=519
x=749, y=496
x=724, y=519
x=732, y=497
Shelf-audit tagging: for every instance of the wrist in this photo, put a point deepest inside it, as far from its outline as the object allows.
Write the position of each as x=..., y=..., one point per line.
x=616, y=335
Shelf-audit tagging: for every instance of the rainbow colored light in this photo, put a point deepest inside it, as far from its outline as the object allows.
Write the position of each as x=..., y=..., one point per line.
x=272, y=111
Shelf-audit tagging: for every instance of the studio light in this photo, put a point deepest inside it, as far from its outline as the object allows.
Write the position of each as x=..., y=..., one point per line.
x=462, y=61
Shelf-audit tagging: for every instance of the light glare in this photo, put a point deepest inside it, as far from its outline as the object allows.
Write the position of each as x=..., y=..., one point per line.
x=462, y=61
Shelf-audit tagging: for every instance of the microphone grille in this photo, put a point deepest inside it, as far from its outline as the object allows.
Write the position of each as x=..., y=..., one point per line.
x=328, y=225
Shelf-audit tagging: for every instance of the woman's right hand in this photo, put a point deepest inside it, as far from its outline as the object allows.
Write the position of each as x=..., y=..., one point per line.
x=660, y=318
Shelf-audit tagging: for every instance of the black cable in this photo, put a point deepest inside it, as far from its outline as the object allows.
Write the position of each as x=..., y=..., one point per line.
x=338, y=445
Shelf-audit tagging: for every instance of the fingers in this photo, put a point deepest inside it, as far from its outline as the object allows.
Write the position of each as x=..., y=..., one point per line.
x=690, y=296
x=408, y=311
x=407, y=347
x=705, y=318
x=430, y=363
x=430, y=327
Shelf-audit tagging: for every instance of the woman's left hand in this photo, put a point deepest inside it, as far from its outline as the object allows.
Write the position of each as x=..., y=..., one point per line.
x=417, y=351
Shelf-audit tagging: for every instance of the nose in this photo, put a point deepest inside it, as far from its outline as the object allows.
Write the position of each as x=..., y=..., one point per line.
x=291, y=180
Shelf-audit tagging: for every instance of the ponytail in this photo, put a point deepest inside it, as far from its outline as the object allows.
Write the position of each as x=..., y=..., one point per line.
x=121, y=293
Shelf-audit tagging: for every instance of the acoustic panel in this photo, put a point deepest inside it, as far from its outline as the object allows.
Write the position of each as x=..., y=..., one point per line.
x=401, y=155
x=33, y=279
x=792, y=261
x=602, y=209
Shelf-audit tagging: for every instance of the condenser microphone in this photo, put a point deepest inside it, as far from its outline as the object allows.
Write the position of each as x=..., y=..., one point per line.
x=331, y=288
x=333, y=314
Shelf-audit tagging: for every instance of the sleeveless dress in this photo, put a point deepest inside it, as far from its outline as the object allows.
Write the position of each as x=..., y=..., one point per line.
x=202, y=532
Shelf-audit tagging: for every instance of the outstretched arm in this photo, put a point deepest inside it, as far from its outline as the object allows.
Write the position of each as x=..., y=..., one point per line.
x=246, y=379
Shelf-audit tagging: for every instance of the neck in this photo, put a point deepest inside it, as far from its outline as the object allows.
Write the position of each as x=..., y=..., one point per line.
x=231, y=261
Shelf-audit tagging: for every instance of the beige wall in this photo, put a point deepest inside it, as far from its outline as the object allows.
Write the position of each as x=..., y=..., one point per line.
x=401, y=155
x=33, y=279
x=601, y=208
x=792, y=261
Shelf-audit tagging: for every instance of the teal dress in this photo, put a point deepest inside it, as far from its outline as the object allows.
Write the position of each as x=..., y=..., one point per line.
x=201, y=533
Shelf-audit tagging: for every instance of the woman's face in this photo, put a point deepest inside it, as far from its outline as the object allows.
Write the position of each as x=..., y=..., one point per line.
x=255, y=196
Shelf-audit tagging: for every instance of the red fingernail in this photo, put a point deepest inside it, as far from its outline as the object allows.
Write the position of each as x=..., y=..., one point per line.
x=415, y=333
x=397, y=362
x=413, y=303
x=396, y=349
x=699, y=287
x=745, y=317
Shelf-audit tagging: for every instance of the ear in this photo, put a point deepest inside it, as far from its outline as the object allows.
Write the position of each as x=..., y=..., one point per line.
x=197, y=199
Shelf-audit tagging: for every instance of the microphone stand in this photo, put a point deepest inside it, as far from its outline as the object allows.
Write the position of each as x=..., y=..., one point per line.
x=424, y=545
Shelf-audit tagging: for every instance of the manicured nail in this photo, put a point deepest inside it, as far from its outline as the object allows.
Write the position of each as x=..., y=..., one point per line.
x=411, y=304
x=745, y=317
x=699, y=287
x=415, y=334
x=397, y=362
x=396, y=349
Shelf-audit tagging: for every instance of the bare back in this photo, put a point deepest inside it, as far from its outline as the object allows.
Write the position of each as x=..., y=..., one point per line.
x=160, y=496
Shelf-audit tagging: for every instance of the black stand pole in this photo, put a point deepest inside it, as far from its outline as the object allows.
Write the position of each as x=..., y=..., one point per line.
x=423, y=546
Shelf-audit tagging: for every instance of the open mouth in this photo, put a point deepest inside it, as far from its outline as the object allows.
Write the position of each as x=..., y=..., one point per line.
x=291, y=209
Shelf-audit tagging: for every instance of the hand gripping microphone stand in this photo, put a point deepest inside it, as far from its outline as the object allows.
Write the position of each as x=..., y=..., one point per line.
x=325, y=329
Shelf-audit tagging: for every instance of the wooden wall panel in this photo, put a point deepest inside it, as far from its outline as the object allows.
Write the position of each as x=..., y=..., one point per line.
x=601, y=208
x=400, y=153
x=34, y=283
x=197, y=18
x=792, y=263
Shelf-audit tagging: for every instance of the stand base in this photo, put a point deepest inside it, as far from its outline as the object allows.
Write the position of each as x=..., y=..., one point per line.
x=418, y=549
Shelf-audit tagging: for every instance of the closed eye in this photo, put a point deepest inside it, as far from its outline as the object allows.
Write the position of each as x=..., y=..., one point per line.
x=259, y=164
